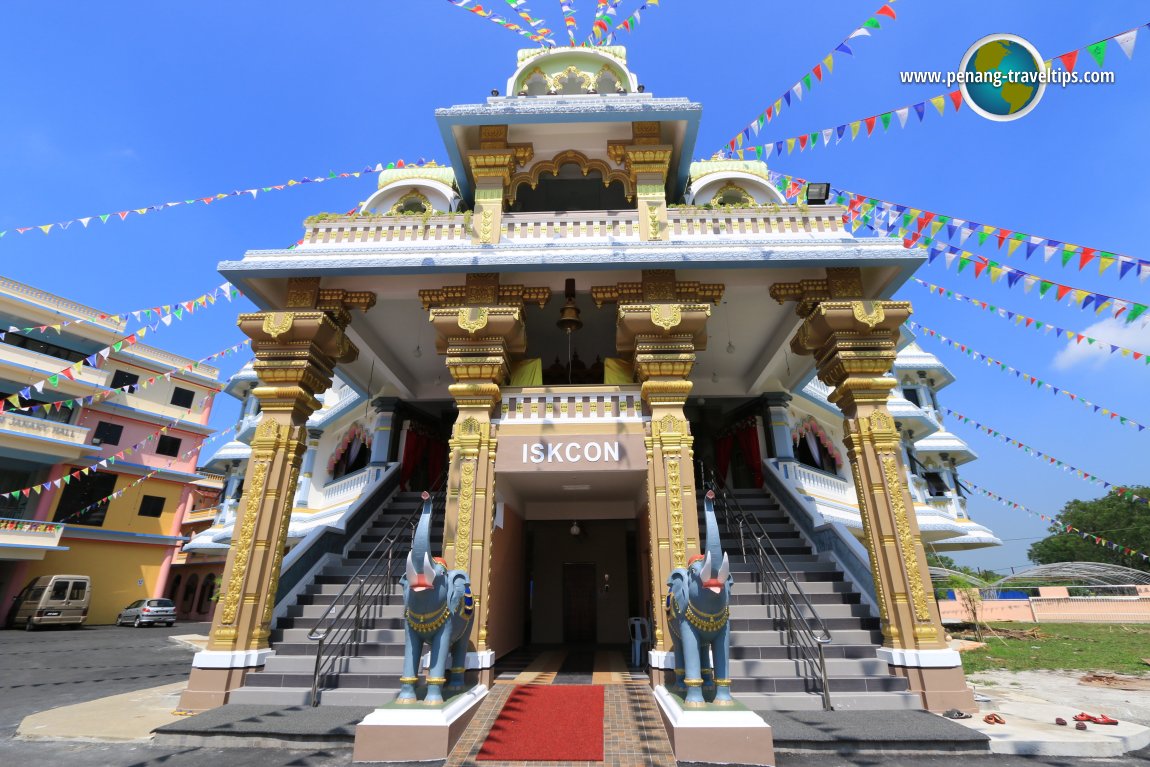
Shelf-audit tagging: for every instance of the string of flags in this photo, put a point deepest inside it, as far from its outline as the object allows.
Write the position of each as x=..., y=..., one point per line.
x=124, y=214
x=532, y=32
x=1023, y=321
x=568, y=9
x=1044, y=457
x=1068, y=529
x=1119, y=308
x=95, y=359
x=1068, y=61
x=1029, y=379
x=792, y=189
x=631, y=22
x=823, y=69
x=6, y=403
x=916, y=223
x=145, y=477
x=604, y=20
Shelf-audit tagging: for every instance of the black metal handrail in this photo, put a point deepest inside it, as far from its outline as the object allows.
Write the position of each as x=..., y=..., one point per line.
x=344, y=623
x=808, y=640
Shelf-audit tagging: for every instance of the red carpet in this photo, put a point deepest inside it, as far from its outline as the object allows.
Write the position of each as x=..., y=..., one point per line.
x=548, y=723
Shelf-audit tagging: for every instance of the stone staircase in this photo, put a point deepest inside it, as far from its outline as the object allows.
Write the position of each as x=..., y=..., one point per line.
x=769, y=675
x=369, y=674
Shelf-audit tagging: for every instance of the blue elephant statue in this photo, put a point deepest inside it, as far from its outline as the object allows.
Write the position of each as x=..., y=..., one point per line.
x=698, y=599
x=437, y=611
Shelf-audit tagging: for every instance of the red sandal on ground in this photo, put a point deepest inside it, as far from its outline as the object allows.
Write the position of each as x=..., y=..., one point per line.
x=1103, y=719
x=1083, y=717
x=993, y=719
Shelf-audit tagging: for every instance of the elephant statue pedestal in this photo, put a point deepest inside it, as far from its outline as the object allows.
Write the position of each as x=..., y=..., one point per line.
x=731, y=734
x=404, y=733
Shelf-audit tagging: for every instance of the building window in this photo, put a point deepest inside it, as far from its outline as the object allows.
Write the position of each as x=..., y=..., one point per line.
x=122, y=378
x=935, y=484
x=814, y=447
x=84, y=500
x=107, y=433
x=151, y=506
x=183, y=397
x=911, y=395
x=43, y=347
x=166, y=445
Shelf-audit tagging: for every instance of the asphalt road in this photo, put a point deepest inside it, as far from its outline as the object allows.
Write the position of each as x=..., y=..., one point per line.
x=46, y=669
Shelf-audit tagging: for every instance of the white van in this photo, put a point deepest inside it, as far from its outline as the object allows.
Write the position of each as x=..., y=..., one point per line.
x=52, y=600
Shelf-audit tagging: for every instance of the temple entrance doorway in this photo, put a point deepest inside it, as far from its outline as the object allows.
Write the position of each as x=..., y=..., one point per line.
x=580, y=608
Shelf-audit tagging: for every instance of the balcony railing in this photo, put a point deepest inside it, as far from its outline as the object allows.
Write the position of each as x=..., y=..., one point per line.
x=818, y=483
x=49, y=365
x=18, y=533
x=18, y=423
x=346, y=488
x=553, y=404
x=617, y=225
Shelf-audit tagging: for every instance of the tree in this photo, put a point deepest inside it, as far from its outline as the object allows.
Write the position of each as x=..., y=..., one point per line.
x=1114, y=518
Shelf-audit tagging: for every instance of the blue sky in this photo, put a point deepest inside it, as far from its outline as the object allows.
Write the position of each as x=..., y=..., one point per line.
x=123, y=105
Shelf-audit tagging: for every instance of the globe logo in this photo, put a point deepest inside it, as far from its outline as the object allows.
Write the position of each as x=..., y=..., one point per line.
x=1002, y=77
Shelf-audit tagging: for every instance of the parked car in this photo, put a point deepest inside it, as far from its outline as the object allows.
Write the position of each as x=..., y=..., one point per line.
x=52, y=600
x=148, y=612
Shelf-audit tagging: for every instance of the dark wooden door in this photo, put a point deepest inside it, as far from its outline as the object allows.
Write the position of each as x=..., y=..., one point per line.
x=579, y=613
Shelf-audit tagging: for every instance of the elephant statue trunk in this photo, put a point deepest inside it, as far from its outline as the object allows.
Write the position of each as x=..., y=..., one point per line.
x=698, y=611
x=438, y=608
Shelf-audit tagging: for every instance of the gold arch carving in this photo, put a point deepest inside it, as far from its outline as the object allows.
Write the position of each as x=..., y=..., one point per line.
x=412, y=195
x=569, y=157
x=731, y=187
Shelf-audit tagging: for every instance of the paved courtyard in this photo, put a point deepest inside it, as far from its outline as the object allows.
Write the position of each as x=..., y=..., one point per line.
x=48, y=669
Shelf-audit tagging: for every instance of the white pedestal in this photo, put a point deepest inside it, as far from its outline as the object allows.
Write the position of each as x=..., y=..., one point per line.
x=415, y=732
x=714, y=735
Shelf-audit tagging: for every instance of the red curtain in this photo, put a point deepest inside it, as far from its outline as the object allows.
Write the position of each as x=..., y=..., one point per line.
x=436, y=458
x=749, y=443
x=414, y=449
x=723, y=447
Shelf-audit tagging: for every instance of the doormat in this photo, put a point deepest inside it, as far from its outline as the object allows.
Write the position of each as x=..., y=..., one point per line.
x=548, y=723
x=578, y=668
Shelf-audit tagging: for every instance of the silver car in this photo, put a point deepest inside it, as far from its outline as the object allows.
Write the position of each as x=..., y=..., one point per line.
x=148, y=612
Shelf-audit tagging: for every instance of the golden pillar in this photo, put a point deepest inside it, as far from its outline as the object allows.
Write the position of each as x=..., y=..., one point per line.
x=854, y=343
x=479, y=328
x=491, y=166
x=296, y=352
x=646, y=160
x=662, y=322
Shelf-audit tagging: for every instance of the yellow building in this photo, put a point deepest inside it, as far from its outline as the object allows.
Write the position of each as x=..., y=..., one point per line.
x=109, y=453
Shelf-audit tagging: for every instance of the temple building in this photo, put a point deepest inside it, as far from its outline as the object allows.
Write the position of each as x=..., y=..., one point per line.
x=95, y=482
x=569, y=335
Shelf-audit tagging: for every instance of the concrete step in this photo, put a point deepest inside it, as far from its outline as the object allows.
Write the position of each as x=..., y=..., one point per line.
x=823, y=611
x=774, y=624
x=293, y=696
x=377, y=635
x=310, y=623
x=305, y=664
x=792, y=684
x=842, y=701
x=810, y=588
x=307, y=649
x=782, y=651
x=789, y=667
x=816, y=599
x=373, y=610
x=775, y=637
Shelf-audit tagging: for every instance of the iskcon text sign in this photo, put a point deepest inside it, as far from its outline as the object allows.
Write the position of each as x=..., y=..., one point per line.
x=623, y=452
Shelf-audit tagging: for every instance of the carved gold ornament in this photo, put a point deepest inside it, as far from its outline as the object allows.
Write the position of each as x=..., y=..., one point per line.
x=653, y=224
x=472, y=318
x=871, y=318
x=278, y=323
x=905, y=540
x=666, y=316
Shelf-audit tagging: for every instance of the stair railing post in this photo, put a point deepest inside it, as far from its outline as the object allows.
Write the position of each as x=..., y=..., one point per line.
x=823, y=672
x=315, y=673
x=359, y=611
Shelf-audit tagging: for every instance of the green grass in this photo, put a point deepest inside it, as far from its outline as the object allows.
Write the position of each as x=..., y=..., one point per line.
x=1105, y=647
